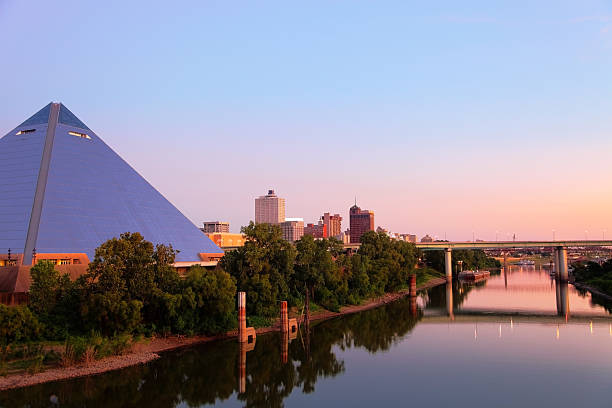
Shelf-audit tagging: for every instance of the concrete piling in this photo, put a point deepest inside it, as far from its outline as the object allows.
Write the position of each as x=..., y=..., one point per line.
x=245, y=334
x=412, y=285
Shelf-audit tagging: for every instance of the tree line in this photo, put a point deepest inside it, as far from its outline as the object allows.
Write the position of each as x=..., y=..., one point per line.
x=131, y=286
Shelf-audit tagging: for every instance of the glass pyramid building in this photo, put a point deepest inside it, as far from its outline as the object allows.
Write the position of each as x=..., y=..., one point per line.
x=64, y=191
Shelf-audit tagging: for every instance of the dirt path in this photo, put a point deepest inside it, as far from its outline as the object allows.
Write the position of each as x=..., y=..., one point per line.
x=148, y=351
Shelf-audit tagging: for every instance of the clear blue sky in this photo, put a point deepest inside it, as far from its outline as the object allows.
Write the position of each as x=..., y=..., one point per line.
x=442, y=117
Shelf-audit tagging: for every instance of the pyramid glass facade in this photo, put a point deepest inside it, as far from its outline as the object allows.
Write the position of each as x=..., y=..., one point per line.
x=66, y=191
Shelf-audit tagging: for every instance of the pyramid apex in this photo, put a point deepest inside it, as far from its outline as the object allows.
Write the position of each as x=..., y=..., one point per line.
x=66, y=117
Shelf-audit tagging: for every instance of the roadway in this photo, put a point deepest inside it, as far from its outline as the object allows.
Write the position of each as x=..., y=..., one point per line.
x=441, y=245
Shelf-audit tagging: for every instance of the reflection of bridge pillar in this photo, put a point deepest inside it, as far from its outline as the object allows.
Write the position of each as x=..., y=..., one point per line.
x=284, y=347
x=562, y=264
x=448, y=263
x=413, y=306
x=242, y=369
x=562, y=299
x=449, y=300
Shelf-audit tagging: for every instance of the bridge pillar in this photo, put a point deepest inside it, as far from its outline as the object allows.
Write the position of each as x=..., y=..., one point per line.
x=562, y=256
x=448, y=263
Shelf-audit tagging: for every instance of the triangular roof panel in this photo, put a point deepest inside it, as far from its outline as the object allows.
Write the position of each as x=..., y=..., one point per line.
x=40, y=117
x=68, y=118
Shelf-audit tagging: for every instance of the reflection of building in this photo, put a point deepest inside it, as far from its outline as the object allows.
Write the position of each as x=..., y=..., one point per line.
x=361, y=221
x=215, y=226
x=293, y=229
x=333, y=224
x=226, y=239
x=427, y=238
x=70, y=192
x=269, y=209
x=318, y=230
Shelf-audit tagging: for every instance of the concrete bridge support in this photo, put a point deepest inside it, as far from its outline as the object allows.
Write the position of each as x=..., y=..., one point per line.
x=561, y=255
x=448, y=263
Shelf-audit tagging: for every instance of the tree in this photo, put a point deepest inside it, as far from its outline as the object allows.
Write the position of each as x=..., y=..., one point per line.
x=262, y=267
x=56, y=300
x=17, y=324
x=126, y=280
x=211, y=298
x=316, y=273
x=45, y=285
x=391, y=261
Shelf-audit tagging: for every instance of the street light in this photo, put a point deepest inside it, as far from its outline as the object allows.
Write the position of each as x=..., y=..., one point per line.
x=553, y=231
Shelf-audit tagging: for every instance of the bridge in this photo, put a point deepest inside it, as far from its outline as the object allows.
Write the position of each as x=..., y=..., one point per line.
x=559, y=256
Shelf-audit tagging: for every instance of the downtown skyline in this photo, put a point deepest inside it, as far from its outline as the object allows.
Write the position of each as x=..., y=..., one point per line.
x=508, y=134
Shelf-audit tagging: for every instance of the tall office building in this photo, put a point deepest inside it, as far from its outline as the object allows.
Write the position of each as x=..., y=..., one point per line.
x=333, y=224
x=215, y=226
x=361, y=221
x=269, y=209
x=293, y=229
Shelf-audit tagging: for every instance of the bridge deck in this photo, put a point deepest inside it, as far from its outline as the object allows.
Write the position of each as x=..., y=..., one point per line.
x=440, y=245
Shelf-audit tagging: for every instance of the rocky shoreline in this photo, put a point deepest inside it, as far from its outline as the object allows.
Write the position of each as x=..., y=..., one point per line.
x=144, y=353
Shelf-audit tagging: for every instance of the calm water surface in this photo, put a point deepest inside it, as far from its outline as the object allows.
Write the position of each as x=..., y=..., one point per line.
x=518, y=339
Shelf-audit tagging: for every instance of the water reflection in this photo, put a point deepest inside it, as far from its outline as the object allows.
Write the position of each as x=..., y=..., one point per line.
x=526, y=290
x=449, y=300
x=562, y=299
x=207, y=374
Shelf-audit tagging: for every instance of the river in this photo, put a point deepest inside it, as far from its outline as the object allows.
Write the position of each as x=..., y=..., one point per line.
x=516, y=339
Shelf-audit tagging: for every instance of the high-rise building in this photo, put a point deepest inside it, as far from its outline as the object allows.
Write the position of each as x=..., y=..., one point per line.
x=293, y=229
x=215, y=226
x=318, y=230
x=333, y=224
x=269, y=209
x=361, y=221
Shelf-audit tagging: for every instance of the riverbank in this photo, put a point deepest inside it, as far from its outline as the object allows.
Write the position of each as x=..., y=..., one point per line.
x=145, y=352
x=592, y=290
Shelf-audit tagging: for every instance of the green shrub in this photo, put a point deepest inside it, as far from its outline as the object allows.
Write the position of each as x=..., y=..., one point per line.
x=17, y=324
x=259, y=321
